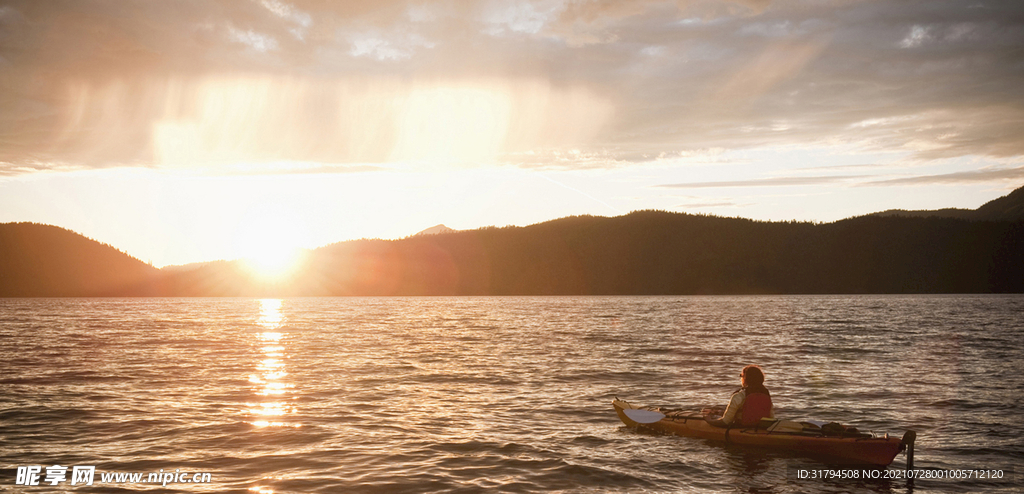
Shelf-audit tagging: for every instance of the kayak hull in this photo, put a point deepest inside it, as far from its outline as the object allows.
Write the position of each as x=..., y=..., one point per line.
x=873, y=451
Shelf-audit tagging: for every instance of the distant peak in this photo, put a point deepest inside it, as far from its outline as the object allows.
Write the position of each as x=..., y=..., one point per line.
x=436, y=230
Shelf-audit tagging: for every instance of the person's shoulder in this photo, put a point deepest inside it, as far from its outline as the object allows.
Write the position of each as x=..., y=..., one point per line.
x=761, y=390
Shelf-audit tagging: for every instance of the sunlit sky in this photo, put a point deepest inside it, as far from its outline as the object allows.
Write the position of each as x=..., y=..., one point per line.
x=183, y=131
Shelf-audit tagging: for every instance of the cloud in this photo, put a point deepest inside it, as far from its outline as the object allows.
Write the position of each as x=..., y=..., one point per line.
x=96, y=83
x=764, y=182
x=14, y=169
x=387, y=48
x=257, y=41
x=210, y=121
x=949, y=33
x=776, y=63
x=917, y=36
x=964, y=177
x=986, y=175
x=701, y=205
x=301, y=20
x=519, y=17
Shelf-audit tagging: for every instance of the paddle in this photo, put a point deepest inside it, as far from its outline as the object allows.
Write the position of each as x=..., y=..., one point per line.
x=643, y=416
x=650, y=416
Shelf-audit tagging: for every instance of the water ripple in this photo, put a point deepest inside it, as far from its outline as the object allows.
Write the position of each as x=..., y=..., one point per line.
x=495, y=394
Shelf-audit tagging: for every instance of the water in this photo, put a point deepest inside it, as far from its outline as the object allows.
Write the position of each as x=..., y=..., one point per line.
x=495, y=394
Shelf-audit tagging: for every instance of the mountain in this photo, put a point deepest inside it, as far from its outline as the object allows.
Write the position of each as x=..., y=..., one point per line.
x=48, y=261
x=641, y=253
x=1007, y=208
x=184, y=268
x=437, y=230
x=963, y=214
x=656, y=252
x=213, y=279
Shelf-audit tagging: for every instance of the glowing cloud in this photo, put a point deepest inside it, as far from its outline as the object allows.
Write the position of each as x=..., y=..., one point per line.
x=265, y=119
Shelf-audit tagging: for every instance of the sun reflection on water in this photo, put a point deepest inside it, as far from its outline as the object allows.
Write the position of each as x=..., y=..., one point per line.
x=271, y=317
x=271, y=373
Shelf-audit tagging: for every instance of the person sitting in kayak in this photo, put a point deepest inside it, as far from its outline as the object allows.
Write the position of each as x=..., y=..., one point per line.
x=749, y=404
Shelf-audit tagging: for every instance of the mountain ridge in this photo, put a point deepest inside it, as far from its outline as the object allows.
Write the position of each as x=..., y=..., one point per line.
x=436, y=230
x=50, y=261
x=1006, y=208
x=641, y=253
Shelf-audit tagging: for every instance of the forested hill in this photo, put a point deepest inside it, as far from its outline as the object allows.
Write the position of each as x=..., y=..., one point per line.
x=652, y=252
x=1007, y=208
x=656, y=252
x=48, y=261
x=642, y=253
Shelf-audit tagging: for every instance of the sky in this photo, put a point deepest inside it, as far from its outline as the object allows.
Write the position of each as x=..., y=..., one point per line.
x=190, y=131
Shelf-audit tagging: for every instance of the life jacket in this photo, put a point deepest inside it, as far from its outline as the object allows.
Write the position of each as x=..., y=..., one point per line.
x=757, y=405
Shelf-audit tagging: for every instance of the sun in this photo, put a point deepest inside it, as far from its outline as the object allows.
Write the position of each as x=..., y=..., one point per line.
x=269, y=246
x=272, y=261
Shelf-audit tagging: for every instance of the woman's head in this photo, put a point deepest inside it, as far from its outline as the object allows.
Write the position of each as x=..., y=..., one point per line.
x=752, y=375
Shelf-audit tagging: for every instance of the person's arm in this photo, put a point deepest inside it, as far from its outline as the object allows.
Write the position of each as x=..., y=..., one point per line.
x=735, y=405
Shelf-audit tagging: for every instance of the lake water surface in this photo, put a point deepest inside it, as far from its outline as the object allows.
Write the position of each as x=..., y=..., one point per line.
x=503, y=394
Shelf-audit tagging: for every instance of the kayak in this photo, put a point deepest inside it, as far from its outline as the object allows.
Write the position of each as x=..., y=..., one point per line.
x=840, y=448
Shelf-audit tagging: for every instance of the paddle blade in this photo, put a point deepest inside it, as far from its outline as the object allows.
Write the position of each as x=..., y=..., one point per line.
x=643, y=416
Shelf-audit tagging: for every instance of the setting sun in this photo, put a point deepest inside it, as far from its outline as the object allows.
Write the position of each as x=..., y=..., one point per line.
x=273, y=261
x=269, y=245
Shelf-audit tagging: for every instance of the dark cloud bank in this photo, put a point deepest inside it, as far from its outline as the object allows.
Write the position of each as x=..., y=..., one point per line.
x=86, y=83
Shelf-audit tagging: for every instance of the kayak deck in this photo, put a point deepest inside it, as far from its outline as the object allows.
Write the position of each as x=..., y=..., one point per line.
x=862, y=449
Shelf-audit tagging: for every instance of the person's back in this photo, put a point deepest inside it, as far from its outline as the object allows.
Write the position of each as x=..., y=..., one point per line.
x=756, y=405
x=749, y=404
